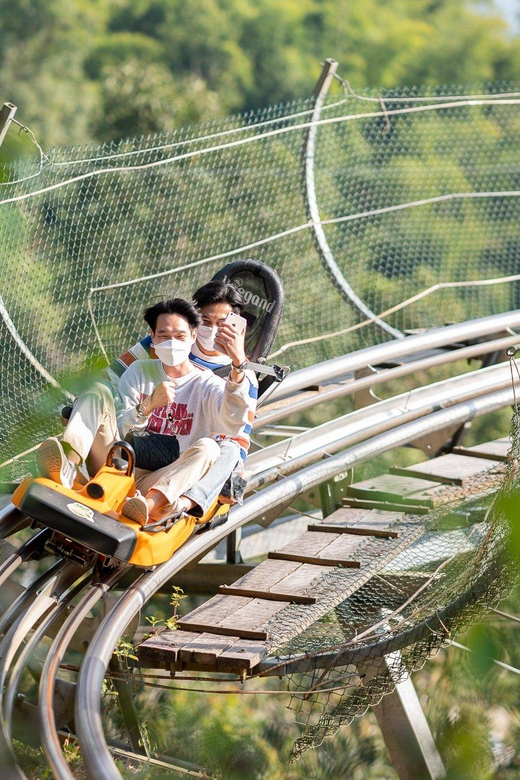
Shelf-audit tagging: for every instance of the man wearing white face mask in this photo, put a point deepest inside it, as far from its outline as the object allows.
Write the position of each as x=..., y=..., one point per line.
x=217, y=346
x=170, y=395
x=173, y=396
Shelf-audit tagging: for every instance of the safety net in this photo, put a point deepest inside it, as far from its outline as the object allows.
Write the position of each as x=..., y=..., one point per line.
x=451, y=566
x=400, y=203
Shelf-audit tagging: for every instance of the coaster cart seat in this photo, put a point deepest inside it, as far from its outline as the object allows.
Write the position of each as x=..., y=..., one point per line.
x=86, y=520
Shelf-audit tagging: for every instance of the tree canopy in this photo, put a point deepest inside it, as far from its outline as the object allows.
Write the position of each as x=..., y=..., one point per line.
x=97, y=70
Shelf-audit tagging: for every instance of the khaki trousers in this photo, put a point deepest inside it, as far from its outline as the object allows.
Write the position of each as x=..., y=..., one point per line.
x=92, y=429
x=174, y=480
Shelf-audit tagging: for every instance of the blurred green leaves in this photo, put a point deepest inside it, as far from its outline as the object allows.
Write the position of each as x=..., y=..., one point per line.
x=62, y=62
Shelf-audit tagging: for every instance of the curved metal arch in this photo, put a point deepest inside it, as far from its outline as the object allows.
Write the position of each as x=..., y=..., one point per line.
x=311, y=204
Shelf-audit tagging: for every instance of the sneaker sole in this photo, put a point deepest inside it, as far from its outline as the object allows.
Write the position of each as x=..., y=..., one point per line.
x=134, y=510
x=49, y=459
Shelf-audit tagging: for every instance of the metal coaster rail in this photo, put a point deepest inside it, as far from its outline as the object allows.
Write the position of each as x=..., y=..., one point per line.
x=304, y=462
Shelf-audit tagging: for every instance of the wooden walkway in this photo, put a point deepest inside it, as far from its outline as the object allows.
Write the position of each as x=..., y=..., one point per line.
x=299, y=583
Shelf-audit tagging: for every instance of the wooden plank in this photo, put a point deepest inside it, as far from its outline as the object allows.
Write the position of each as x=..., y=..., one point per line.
x=343, y=547
x=492, y=450
x=206, y=577
x=313, y=545
x=203, y=628
x=389, y=487
x=253, y=616
x=301, y=580
x=448, y=469
x=205, y=648
x=245, y=618
x=309, y=544
x=385, y=533
x=281, y=556
x=215, y=610
x=289, y=577
x=240, y=657
x=163, y=648
x=348, y=516
x=393, y=506
x=266, y=575
x=230, y=590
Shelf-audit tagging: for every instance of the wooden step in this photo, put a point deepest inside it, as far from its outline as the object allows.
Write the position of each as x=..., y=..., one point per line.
x=492, y=450
x=391, y=506
x=448, y=469
x=230, y=590
x=395, y=489
x=359, y=530
x=212, y=637
x=362, y=522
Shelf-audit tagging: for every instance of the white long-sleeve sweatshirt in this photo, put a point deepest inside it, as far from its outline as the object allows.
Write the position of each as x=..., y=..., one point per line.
x=204, y=404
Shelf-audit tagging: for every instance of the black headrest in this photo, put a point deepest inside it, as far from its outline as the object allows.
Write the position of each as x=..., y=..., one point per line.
x=264, y=298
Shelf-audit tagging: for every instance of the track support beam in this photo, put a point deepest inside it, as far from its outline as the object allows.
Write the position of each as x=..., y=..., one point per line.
x=404, y=727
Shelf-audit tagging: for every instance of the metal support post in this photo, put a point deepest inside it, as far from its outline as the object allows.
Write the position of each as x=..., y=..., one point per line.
x=404, y=727
x=327, y=500
x=7, y=113
x=232, y=547
x=128, y=711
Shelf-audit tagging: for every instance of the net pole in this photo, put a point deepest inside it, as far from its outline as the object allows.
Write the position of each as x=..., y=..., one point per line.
x=7, y=113
x=404, y=727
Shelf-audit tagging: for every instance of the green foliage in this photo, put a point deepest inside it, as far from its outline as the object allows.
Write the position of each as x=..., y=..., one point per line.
x=63, y=62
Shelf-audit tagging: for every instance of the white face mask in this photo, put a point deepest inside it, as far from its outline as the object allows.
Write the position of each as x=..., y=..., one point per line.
x=206, y=338
x=172, y=352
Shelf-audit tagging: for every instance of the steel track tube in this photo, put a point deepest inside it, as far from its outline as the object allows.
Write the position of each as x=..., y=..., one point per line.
x=48, y=731
x=386, y=375
x=306, y=447
x=30, y=593
x=88, y=715
x=34, y=545
x=8, y=648
x=370, y=356
x=22, y=661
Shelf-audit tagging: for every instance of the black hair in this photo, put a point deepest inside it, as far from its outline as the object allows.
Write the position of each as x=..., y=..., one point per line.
x=218, y=292
x=173, y=306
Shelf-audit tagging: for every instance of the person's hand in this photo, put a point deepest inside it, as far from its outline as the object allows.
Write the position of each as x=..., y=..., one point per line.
x=163, y=395
x=231, y=341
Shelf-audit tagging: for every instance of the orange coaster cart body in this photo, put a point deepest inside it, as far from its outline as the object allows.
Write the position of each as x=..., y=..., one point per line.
x=90, y=515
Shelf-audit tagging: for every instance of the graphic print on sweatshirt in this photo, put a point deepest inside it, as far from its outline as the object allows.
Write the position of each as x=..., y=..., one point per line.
x=173, y=419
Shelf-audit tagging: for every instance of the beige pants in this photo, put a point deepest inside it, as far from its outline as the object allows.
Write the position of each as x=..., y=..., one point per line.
x=92, y=429
x=173, y=480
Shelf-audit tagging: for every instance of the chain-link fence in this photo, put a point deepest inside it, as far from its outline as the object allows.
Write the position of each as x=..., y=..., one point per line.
x=414, y=188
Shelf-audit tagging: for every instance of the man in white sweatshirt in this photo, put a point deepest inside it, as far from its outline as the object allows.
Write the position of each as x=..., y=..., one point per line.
x=171, y=396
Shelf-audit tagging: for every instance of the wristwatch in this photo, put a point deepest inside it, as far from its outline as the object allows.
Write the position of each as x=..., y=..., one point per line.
x=241, y=366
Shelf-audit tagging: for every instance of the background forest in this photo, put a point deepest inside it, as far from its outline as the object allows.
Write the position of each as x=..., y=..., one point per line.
x=94, y=71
